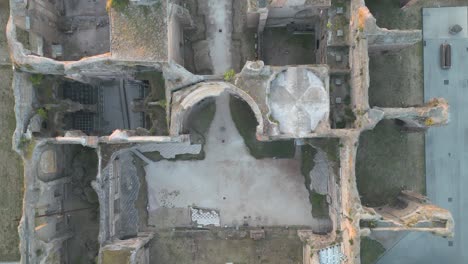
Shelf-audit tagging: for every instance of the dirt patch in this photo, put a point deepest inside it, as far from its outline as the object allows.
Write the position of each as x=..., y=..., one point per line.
x=82, y=207
x=281, y=246
x=389, y=159
x=131, y=38
x=156, y=117
x=281, y=47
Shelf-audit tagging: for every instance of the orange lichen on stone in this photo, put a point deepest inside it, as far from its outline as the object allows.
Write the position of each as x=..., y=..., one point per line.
x=429, y=121
x=363, y=14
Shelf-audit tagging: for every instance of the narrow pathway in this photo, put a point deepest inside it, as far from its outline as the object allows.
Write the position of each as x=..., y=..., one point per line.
x=219, y=34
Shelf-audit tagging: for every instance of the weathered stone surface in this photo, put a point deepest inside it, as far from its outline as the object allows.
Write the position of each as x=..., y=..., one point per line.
x=48, y=163
x=416, y=214
x=132, y=39
x=298, y=101
x=434, y=113
x=382, y=39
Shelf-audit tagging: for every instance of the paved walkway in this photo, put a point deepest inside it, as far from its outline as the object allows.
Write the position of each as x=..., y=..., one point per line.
x=219, y=31
x=446, y=147
x=262, y=192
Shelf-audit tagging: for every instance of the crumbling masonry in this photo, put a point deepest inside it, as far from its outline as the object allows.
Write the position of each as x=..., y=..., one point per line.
x=289, y=102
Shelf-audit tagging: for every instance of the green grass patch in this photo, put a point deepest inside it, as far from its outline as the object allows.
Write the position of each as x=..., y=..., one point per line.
x=371, y=250
x=36, y=79
x=350, y=117
x=42, y=112
x=388, y=160
x=44, y=87
x=156, y=82
x=27, y=145
x=319, y=205
x=118, y=5
x=304, y=41
x=331, y=146
x=389, y=14
x=246, y=124
x=158, y=120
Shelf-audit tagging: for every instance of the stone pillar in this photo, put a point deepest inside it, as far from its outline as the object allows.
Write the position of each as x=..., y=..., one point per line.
x=262, y=19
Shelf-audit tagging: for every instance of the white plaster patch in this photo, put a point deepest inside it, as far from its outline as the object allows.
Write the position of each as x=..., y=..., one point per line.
x=299, y=101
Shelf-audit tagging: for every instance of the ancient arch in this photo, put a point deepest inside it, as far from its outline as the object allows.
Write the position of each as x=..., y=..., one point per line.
x=183, y=102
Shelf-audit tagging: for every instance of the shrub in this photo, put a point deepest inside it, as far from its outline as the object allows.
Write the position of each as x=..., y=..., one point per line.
x=229, y=75
x=36, y=79
x=349, y=115
x=27, y=145
x=162, y=103
x=373, y=224
x=42, y=113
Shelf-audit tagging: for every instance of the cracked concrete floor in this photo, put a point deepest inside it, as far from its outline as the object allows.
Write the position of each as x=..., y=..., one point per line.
x=265, y=192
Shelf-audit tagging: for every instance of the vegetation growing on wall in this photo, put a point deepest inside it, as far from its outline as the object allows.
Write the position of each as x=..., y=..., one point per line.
x=116, y=4
x=229, y=75
x=36, y=79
